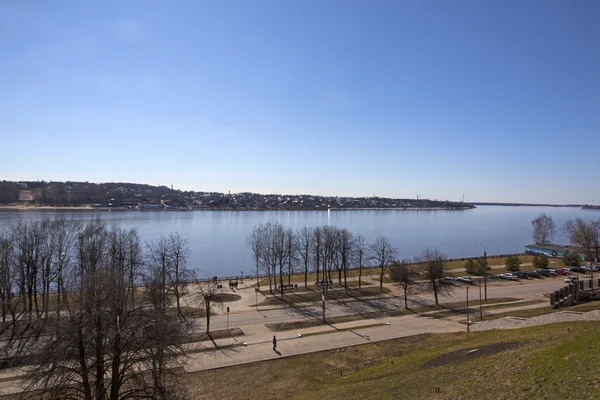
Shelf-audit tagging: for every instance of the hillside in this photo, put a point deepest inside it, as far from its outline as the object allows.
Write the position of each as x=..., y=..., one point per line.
x=556, y=361
x=132, y=195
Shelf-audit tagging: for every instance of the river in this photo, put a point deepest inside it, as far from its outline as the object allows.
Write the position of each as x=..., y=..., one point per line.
x=217, y=239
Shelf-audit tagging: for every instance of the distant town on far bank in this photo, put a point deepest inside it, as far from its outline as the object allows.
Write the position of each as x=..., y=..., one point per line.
x=86, y=195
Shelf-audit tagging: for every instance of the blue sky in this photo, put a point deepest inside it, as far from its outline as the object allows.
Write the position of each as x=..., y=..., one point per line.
x=499, y=100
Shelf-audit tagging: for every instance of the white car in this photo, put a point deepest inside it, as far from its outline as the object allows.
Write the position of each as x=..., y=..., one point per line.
x=509, y=277
x=465, y=279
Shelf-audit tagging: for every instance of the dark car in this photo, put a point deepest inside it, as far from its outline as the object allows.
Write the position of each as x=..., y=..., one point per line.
x=449, y=281
x=534, y=274
x=543, y=272
x=578, y=270
x=522, y=275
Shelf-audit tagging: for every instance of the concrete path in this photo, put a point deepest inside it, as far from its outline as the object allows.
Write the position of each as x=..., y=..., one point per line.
x=290, y=344
x=515, y=323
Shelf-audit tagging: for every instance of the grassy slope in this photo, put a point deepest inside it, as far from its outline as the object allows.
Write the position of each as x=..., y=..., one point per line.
x=554, y=361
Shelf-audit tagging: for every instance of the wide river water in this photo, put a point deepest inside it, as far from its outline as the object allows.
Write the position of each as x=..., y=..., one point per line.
x=217, y=239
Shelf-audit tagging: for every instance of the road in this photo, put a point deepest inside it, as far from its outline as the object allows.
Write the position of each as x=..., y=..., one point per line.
x=247, y=317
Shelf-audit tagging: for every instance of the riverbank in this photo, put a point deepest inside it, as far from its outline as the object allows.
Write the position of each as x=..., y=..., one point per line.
x=90, y=208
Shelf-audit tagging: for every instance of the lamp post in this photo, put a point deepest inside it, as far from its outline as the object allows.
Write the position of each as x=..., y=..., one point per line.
x=480, y=306
x=468, y=322
x=484, y=269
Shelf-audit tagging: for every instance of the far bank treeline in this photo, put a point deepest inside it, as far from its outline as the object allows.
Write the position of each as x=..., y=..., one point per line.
x=131, y=195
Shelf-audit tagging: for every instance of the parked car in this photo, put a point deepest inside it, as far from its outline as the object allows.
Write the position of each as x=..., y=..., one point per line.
x=535, y=274
x=542, y=272
x=509, y=277
x=586, y=268
x=596, y=268
x=552, y=272
x=571, y=279
x=579, y=270
x=466, y=279
x=521, y=275
x=449, y=281
x=561, y=271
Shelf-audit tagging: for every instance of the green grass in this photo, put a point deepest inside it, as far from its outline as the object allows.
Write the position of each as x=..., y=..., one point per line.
x=548, y=362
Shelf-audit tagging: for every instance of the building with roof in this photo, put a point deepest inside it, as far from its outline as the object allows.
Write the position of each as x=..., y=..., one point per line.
x=553, y=250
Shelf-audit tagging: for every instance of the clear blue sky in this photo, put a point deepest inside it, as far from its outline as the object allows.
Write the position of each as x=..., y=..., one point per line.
x=499, y=100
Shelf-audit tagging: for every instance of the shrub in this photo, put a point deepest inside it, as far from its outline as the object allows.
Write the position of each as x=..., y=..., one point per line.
x=571, y=259
x=512, y=263
x=476, y=267
x=540, y=261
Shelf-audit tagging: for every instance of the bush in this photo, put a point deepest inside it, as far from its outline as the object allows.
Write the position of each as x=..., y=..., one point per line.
x=540, y=261
x=512, y=263
x=470, y=267
x=476, y=267
x=571, y=259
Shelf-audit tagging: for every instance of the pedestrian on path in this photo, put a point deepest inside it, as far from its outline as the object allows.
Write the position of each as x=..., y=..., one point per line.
x=274, y=343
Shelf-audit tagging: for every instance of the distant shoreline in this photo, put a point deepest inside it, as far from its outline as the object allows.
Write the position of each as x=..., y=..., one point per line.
x=117, y=209
x=527, y=205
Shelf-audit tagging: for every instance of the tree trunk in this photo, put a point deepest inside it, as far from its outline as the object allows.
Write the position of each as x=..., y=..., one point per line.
x=281, y=279
x=85, y=381
x=115, y=368
x=207, y=305
x=257, y=278
x=359, y=275
x=99, y=358
x=381, y=280
x=346, y=278
x=306, y=274
x=405, y=297
x=435, y=294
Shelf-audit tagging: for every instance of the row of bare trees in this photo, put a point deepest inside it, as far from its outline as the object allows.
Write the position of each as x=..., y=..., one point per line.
x=96, y=313
x=325, y=250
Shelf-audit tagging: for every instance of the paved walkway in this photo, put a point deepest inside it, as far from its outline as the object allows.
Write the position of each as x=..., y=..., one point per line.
x=515, y=323
x=290, y=344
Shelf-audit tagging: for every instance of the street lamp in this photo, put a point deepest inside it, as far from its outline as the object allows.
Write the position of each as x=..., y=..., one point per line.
x=484, y=269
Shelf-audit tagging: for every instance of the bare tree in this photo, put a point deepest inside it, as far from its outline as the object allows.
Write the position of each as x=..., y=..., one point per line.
x=208, y=297
x=318, y=243
x=256, y=240
x=107, y=346
x=345, y=249
x=584, y=235
x=180, y=274
x=433, y=262
x=544, y=229
x=401, y=273
x=304, y=239
x=383, y=253
x=360, y=255
x=6, y=277
x=291, y=249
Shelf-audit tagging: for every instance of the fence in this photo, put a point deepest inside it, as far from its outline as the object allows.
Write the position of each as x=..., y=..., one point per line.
x=575, y=292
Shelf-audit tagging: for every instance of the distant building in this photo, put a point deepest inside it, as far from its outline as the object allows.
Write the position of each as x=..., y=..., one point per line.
x=552, y=250
x=150, y=206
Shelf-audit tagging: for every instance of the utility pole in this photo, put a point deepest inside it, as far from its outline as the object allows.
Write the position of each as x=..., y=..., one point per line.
x=480, y=306
x=468, y=322
x=485, y=273
x=323, y=299
x=485, y=268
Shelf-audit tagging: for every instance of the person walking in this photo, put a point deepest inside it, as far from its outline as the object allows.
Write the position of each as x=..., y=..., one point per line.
x=274, y=343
